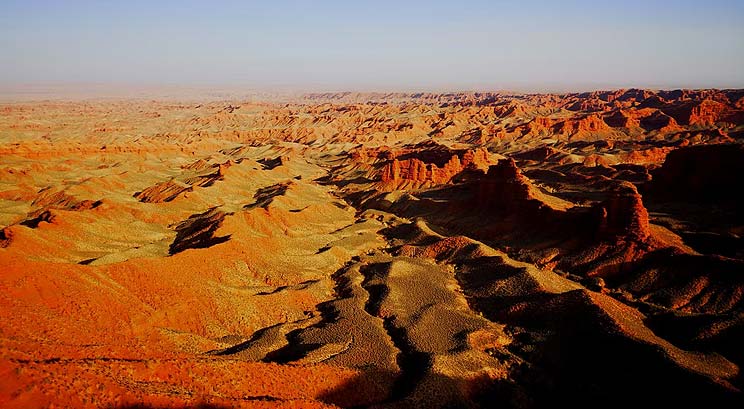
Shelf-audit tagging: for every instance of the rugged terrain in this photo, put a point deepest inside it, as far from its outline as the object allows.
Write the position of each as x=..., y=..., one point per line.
x=374, y=250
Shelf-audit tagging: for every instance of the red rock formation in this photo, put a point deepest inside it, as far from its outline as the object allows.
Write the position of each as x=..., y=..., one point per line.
x=49, y=198
x=582, y=126
x=95, y=312
x=622, y=119
x=419, y=172
x=200, y=164
x=539, y=126
x=505, y=184
x=6, y=236
x=222, y=168
x=645, y=156
x=591, y=104
x=162, y=192
x=622, y=214
x=198, y=231
x=707, y=112
x=595, y=160
x=504, y=190
x=655, y=120
x=589, y=123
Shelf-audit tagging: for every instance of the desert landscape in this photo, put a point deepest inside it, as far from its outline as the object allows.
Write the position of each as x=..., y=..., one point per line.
x=385, y=250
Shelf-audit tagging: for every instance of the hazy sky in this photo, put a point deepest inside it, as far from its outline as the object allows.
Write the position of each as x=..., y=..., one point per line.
x=376, y=45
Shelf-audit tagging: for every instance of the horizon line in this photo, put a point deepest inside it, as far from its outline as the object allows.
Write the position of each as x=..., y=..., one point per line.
x=68, y=90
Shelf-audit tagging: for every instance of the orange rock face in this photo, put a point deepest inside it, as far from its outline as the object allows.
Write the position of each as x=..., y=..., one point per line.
x=505, y=185
x=622, y=214
x=707, y=112
x=421, y=173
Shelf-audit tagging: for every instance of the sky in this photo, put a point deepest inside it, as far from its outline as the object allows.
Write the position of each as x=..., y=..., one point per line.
x=376, y=45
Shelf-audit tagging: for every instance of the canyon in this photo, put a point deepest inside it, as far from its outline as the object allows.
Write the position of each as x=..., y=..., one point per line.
x=385, y=250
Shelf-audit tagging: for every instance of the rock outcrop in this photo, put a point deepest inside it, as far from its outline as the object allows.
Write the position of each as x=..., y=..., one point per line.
x=420, y=173
x=162, y=192
x=707, y=112
x=622, y=214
